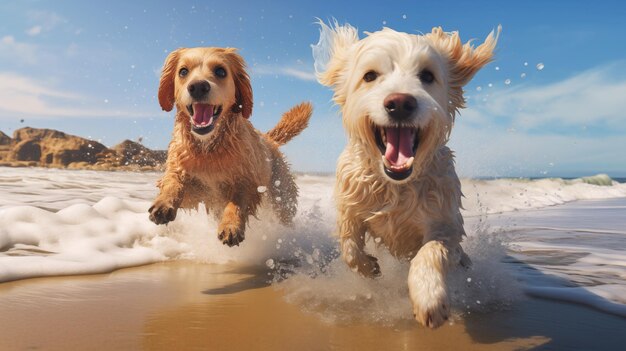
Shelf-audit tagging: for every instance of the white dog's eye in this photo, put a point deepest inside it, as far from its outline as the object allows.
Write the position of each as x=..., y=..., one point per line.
x=370, y=76
x=183, y=72
x=427, y=76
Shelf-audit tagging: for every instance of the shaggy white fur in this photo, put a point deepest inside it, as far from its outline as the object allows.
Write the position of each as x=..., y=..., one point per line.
x=399, y=94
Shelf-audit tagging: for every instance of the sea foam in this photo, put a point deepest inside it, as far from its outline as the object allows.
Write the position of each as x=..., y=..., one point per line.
x=55, y=222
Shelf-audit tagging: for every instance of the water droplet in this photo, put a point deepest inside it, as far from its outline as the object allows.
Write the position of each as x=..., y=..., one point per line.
x=384, y=23
x=106, y=101
x=316, y=254
x=507, y=82
x=523, y=75
x=497, y=68
x=277, y=183
x=261, y=189
x=278, y=199
x=270, y=263
x=490, y=85
x=469, y=280
x=377, y=240
x=525, y=63
x=280, y=241
x=479, y=88
x=478, y=302
x=403, y=16
x=540, y=66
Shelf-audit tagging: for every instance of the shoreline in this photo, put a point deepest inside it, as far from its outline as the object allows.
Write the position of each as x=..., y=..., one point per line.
x=189, y=305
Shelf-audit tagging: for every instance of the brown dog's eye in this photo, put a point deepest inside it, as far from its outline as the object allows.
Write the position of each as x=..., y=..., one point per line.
x=220, y=72
x=427, y=76
x=183, y=72
x=370, y=76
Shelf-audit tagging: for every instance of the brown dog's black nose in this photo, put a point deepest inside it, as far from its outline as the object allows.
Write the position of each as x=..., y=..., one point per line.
x=400, y=106
x=199, y=89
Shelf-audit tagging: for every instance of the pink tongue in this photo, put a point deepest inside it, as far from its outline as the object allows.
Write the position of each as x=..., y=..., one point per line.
x=399, y=145
x=202, y=114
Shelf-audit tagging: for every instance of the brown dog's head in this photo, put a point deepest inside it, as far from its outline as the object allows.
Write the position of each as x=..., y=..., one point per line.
x=204, y=84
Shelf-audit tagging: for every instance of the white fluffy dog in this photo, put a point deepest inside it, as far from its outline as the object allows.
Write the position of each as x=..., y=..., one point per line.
x=399, y=94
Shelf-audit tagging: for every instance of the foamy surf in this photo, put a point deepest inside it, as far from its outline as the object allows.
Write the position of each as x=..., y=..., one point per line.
x=55, y=222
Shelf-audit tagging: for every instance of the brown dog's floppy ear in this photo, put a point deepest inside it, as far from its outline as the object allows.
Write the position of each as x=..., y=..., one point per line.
x=166, y=84
x=243, y=89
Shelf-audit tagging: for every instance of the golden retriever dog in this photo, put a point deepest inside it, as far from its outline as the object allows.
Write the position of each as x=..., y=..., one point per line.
x=399, y=94
x=216, y=156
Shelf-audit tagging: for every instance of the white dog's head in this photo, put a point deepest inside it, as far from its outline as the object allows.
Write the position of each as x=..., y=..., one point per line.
x=398, y=92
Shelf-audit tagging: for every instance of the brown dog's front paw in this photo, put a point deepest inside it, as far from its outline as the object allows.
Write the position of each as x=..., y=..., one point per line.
x=230, y=235
x=162, y=212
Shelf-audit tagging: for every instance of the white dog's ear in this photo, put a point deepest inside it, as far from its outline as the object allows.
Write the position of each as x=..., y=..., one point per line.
x=464, y=60
x=332, y=51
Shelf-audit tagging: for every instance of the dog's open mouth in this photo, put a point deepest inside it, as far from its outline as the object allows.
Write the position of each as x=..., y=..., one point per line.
x=398, y=146
x=203, y=117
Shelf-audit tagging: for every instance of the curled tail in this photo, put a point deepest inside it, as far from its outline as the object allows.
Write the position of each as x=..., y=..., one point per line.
x=293, y=122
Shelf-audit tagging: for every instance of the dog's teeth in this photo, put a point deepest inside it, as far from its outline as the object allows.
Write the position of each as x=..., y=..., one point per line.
x=409, y=163
x=386, y=162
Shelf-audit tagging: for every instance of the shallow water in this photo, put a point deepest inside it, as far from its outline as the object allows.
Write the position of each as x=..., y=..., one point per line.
x=57, y=222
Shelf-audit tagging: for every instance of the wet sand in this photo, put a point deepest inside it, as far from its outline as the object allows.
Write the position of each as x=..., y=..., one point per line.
x=191, y=306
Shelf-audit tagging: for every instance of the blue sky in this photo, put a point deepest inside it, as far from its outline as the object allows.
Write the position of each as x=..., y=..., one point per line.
x=91, y=69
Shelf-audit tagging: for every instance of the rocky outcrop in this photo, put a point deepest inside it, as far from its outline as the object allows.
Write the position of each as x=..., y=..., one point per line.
x=4, y=139
x=131, y=152
x=52, y=148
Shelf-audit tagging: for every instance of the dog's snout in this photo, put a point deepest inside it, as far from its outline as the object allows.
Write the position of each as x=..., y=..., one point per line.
x=400, y=106
x=199, y=89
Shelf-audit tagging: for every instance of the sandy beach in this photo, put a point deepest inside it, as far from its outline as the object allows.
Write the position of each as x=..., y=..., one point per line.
x=192, y=306
x=89, y=271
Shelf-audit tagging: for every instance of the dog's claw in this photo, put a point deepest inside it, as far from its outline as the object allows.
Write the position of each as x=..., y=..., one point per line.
x=162, y=212
x=231, y=237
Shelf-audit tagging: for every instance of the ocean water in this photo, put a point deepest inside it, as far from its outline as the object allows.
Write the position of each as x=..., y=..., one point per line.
x=525, y=237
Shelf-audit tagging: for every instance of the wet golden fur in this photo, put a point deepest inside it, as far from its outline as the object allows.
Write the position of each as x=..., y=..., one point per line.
x=419, y=218
x=225, y=168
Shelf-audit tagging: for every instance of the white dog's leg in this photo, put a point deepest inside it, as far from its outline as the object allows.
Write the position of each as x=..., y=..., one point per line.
x=427, y=284
x=352, y=250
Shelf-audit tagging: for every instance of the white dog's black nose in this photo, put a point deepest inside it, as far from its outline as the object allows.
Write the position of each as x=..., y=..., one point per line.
x=400, y=106
x=199, y=89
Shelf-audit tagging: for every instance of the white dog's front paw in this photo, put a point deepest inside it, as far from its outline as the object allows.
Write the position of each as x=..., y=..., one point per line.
x=427, y=285
x=430, y=308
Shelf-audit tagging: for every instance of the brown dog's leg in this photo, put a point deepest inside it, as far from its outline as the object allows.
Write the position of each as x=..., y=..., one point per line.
x=352, y=236
x=283, y=190
x=232, y=226
x=164, y=208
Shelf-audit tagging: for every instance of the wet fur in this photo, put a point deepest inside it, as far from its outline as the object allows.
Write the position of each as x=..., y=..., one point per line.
x=417, y=219
x=225, y=170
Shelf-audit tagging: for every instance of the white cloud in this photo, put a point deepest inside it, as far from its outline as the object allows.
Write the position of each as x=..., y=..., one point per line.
x=14, y=50
x=596, y=96
x=545, y=130
x=298, y=73
x=24, y=96
x=44, y=21
x=33, y=31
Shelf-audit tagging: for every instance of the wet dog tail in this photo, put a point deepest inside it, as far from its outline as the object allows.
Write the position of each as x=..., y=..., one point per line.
x=293, y=122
